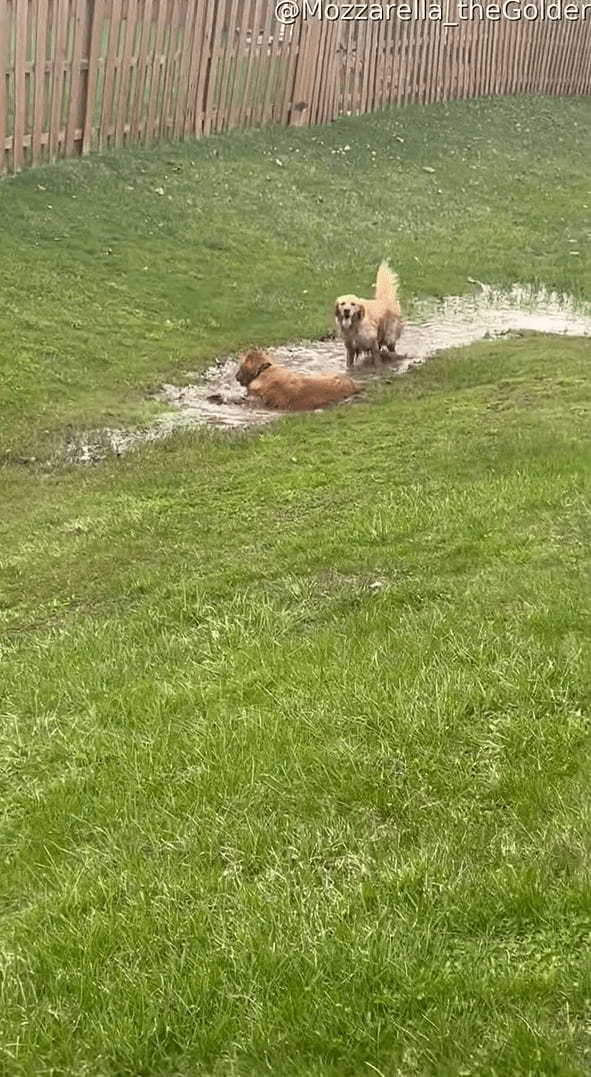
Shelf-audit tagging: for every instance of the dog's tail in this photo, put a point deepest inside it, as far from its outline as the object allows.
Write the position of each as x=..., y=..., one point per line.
x=387, y=286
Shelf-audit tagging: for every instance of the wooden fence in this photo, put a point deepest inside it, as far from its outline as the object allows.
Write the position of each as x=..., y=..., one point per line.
x=80, y=75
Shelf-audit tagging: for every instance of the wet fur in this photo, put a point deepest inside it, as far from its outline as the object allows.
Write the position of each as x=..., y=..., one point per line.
x=368, y=325
x=286, y=390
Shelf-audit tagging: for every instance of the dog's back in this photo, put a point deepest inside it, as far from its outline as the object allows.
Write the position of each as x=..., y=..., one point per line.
x=287, y=390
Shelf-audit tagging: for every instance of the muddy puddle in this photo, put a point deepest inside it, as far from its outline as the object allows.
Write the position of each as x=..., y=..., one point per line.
x=215, y=399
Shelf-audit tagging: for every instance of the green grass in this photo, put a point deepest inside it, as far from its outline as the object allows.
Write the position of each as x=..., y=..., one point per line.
x=294, y=747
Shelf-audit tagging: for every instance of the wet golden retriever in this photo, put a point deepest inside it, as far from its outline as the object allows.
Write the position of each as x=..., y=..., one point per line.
x=286, y=390
x=368, y=325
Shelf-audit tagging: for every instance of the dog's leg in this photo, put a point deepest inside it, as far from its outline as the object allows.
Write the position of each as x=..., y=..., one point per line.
x=351, y=353
x=376, y=355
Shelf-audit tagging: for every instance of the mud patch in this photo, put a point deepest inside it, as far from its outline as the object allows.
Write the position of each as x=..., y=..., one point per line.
x=216, y=400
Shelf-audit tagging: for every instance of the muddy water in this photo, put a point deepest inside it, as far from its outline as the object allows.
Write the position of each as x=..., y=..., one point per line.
x=215, y=399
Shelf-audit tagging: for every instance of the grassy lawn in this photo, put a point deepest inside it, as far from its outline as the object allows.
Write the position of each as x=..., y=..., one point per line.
x=294, y=746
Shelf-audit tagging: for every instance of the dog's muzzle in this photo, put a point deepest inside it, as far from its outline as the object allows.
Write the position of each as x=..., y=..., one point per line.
x=246, y=376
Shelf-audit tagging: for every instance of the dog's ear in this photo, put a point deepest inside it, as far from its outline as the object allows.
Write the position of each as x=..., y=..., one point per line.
x=260, y=359
x=337, y=311
x=360, y=313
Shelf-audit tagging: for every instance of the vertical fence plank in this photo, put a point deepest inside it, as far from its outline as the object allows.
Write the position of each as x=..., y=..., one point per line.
x=411, y=67
x=466, y=59
x=348, y=69
x=372, y=64
x=155, y=70
x=439, y=57
x=548, y=46
x=240, y=66
x=171, y=71
x=388, y=63
x=536, y=59
x=319, y=84
x=293, y=44
x=379, y=73
x=137, y=120
x=489, y=53
x=495, y=51
x=110, y=69
x=338, y=81
x=334, y=74
x=39, y=93
x=20, y=103
x=303, y=100
x=366, y=94
x=517, y=57
x=265, y=61
x=255, y=57
x=257, y=47
x=91, y=87
x=180, y=105
x=208, y=23
x=430, y=31
x=583, y=50
x=349, y=62
x=277, y=61
x=326, y=70
x=555, y=58
x=60, y=16
x=446, y=56
x=565, y=83
x=250, y=30
x=75, y=76
x=122, y=114
x=422, y=69
x=193, y=68
x=402, y=45
x=215, y=46
x=531, y=58
x=485, y=26
x=166, y=69
x=226, y=68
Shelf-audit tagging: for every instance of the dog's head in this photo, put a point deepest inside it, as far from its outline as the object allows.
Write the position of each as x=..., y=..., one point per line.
x=349, y=310
x=252, y=363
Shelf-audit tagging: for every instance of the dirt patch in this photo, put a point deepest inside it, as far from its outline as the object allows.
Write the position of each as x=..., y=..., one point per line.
x=215, y=399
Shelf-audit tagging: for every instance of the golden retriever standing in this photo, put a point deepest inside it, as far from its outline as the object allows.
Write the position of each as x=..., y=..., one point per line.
x=286, y=390
x=367, y=325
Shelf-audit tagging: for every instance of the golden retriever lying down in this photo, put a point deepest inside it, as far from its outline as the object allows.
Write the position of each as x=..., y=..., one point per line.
x=287, y=390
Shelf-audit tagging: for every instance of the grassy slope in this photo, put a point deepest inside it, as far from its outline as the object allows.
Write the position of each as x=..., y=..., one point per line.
x=295, y=744
x=298, y=781
x=108, y=285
